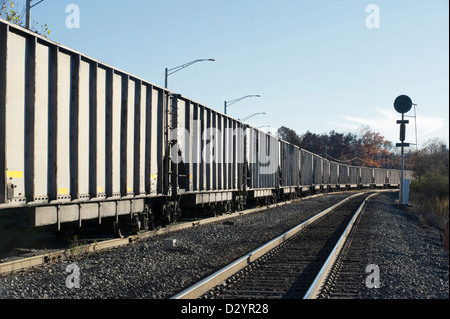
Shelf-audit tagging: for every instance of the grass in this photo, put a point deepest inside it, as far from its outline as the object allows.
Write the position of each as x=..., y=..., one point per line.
x=430, y=198
x=430, y=212
x=78, y=246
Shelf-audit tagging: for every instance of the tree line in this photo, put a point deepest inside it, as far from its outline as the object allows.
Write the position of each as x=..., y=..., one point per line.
x=429, y=190
x=365, y=148
x=369, y=148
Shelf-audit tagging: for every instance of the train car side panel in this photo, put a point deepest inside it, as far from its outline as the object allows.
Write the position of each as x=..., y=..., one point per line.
x=366, y=176
x=40, y=151
x=307, y=168
x=326, y=172
x=15, y=117
x=334, y=174
x=343, y=175
x=380, y=177
x=318, y=170
x=354, y=176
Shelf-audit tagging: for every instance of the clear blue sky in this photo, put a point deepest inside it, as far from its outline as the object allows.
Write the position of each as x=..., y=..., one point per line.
x=316, y=64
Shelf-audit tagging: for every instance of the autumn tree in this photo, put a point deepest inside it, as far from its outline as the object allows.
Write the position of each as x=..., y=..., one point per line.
x=9, y=11
x=367, y=148
x=373, y=149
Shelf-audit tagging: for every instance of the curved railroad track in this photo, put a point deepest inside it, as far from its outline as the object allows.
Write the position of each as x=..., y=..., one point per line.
x=294, y=265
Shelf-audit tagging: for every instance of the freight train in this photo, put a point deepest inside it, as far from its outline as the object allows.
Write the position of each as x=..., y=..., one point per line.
x=81, y=140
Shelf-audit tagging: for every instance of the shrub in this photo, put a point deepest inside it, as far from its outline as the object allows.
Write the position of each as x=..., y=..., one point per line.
x=432, y=184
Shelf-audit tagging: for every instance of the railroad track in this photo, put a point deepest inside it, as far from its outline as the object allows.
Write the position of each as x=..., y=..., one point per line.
x=21, y=264
x=345, y=277
x=293, y=265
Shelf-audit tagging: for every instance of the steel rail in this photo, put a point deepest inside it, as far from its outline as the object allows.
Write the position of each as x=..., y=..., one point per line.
x=36, y=261
x=221, y=275
x=319, y=281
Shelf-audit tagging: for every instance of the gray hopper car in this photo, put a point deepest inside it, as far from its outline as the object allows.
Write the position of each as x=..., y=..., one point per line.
x=81, y=140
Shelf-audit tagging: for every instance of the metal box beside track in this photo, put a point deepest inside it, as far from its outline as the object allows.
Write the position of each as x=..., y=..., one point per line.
x=408, y=174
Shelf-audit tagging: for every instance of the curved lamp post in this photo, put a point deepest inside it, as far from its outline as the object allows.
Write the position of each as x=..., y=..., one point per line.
x=28, y=12
x=226, y=104
x=250, y=116
x=180, y=67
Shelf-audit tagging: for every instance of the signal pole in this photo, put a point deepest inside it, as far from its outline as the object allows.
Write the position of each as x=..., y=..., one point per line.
x=402, y=105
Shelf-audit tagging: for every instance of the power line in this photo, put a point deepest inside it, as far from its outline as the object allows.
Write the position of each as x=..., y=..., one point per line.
x=349, y=160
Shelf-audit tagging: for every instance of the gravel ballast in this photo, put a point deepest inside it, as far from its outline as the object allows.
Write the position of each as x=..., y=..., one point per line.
x=151, y=269
x=411, y=261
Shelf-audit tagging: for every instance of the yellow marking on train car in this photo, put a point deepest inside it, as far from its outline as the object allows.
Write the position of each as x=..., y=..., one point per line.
x=154, y=175
x=62, y=191
x=190, y=175
x=129, y=189
x=14, y=174
x=100, y=189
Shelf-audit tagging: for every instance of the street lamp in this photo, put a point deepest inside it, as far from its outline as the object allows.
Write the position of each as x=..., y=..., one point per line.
x=180, y=67
x=226, y=104
x=28, y=12
x=248, y=117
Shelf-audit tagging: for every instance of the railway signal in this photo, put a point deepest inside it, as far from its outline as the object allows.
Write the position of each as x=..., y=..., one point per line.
x=402, y=104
